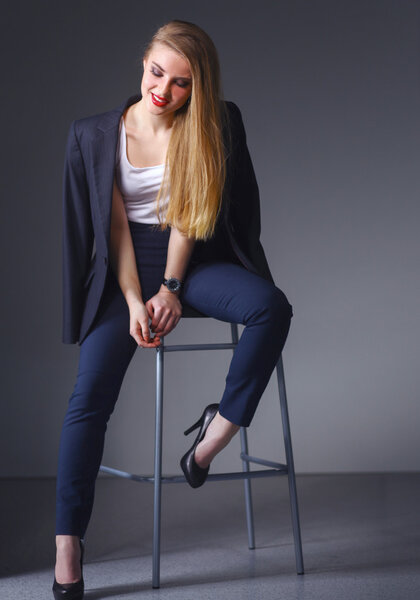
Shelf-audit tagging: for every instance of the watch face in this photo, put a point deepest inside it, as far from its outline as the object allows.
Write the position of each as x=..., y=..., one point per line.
x=173, y=284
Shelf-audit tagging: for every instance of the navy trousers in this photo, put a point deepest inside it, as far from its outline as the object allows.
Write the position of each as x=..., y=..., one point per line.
x=220, y=289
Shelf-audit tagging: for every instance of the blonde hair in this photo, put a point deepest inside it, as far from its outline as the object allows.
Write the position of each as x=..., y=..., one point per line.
x=195, y=157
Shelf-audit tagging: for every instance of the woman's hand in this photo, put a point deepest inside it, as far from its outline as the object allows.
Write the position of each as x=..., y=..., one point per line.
x=165, y=310
x=139, y=326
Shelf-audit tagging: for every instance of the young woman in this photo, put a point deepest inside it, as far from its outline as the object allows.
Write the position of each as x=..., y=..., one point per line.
x=164, y=187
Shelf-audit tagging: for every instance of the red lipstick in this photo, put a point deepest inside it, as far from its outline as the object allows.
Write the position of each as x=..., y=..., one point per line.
x=158, y=101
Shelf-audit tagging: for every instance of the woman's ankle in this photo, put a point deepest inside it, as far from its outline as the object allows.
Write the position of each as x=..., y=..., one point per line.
x=218, y=435
x=67, y=566
x=67, y=541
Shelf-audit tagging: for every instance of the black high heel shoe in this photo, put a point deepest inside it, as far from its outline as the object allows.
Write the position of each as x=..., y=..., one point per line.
x=71, y=591
x=194, y=474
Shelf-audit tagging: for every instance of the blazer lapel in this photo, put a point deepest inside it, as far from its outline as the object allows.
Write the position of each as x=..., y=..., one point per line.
x=103, y=151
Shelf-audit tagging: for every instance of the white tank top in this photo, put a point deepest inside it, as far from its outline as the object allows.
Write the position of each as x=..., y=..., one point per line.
x=139, y=186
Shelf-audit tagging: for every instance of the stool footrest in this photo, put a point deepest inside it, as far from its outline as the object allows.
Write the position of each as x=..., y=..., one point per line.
x=263, y=461
x=210, y=477
x=211, y=346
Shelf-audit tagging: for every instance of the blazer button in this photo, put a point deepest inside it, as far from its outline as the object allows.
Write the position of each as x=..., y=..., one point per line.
x=105, y=260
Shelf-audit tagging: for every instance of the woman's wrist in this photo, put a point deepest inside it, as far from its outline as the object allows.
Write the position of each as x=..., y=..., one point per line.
x=165, y=290
x=133, y=299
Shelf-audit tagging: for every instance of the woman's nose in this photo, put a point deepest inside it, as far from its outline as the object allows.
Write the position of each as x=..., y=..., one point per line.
x=164, y=89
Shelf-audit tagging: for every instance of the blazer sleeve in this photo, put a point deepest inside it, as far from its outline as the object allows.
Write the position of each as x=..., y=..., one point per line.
x=77, y=237
x=244, y=215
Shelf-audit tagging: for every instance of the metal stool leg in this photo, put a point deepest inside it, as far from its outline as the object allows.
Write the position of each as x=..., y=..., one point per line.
x=245, y=466
x=158, y=466
x=248, y=495
x=290, y=467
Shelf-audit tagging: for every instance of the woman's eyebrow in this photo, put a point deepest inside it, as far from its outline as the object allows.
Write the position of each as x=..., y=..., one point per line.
x=159, y=67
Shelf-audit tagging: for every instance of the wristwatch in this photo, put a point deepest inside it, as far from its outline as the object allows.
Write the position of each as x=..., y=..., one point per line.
x=173, y=284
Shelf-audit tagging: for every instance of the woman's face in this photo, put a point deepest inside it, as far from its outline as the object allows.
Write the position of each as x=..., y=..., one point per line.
x=166, y=84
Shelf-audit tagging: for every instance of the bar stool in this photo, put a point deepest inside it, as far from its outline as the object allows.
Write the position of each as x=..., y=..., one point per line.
x=246, y=474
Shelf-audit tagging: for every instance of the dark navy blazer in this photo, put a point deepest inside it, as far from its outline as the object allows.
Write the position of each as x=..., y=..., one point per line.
x=87, y=198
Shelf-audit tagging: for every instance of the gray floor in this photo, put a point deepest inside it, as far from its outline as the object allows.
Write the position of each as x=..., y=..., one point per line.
x=360, y=532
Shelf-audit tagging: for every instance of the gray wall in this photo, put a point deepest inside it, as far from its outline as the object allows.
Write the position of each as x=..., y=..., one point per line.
x=329, y=92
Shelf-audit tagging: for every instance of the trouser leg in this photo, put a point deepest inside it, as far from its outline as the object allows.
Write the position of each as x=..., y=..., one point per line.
x=104, y=357
x=231, y=293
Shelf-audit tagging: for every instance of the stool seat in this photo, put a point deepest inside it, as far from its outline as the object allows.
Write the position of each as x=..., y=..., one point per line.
x=274, y=468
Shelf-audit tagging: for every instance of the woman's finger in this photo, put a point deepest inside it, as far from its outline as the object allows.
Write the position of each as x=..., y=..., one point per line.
x=158, y=318
x=139, y=330
x=147, y=341
x=170, y=325
x=145, y=331
x=161, y=324
x=154, y=343
x=135, y=330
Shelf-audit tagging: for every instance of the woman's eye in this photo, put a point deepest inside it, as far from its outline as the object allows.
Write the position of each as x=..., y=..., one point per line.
x=181, y=83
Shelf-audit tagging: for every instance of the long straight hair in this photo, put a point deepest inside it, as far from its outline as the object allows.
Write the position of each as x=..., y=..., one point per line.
x=195, y=169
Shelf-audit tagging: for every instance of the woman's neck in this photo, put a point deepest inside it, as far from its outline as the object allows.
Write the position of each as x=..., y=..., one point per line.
x=157, y=125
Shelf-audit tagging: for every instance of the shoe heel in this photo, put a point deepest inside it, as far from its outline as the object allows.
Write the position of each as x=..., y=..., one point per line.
x=195, y=426
x=193, y=473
